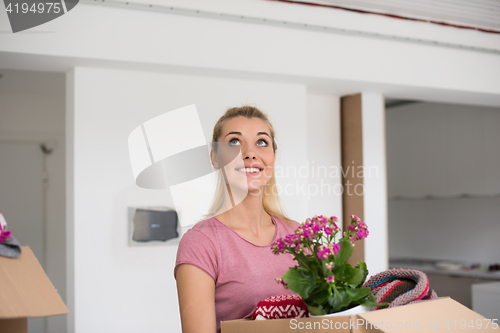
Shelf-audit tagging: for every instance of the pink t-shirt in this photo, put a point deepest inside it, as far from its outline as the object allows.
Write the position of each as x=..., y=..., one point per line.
x=244, y=273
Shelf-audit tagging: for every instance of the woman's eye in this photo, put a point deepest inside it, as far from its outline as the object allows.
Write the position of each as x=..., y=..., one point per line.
x=234, y=142
x=264, y=143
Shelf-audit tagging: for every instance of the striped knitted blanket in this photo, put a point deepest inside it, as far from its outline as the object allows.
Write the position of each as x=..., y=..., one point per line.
x=400, y=286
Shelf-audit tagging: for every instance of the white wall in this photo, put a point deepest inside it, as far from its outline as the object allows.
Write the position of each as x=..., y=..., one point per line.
x=445, y=151
x=324, y=156
x=32, y=109
x=118, y=288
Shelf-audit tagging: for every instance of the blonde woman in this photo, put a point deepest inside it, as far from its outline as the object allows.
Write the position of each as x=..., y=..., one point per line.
x=224, y=263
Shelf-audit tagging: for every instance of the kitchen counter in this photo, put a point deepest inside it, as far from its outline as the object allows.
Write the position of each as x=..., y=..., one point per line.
x=427, y=266
x=455, y=283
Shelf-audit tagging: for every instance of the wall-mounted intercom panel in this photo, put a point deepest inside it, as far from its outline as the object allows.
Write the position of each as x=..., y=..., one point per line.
x=153, y=226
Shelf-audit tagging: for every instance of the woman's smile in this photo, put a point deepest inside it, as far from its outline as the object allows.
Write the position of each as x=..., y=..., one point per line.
x=250, y=170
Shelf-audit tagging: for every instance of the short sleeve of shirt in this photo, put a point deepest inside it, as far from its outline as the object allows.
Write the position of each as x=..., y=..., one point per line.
x=196, y=249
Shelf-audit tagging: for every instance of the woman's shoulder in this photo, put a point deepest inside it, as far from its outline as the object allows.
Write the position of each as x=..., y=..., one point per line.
x=201, y=235
x=207, y=227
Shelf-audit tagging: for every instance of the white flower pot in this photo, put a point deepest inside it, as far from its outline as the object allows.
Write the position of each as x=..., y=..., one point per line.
x=352, y=311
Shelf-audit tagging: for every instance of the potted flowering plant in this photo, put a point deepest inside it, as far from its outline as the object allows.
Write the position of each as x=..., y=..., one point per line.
x=323, y=279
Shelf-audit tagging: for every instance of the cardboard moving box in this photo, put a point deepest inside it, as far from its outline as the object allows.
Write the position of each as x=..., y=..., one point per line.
x=441, y=315
x=25, y=291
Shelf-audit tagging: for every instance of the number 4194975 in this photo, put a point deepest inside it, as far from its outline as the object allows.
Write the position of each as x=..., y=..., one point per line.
x=472, y=324
x=40, y=7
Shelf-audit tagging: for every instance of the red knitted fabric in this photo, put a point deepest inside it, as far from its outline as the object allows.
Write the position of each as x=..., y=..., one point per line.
x=400, y=287
x=282, y=306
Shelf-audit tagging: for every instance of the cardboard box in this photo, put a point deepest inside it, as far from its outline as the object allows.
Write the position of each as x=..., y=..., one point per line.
x=25, y=291
x=441, y=315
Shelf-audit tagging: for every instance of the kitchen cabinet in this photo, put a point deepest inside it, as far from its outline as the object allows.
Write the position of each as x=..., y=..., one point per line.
x=457, y=287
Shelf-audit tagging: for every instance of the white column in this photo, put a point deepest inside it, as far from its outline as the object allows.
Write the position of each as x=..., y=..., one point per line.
x=375, y=181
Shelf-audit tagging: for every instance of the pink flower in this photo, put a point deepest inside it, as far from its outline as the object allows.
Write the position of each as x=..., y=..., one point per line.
x=336, y=248
x=331, y=278
x=329, y=265
x=324, y=252
x=328, y=231
x=316, y=227
x=306, y=233
x=362, y=231
x=279, y=246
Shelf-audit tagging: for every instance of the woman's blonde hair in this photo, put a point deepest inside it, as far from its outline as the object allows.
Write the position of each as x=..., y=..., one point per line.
x=270, y=198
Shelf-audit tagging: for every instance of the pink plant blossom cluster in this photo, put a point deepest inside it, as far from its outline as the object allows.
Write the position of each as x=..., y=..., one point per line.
x=359, y=230
x=324, y=251
x=317, y=235
x=309, y=232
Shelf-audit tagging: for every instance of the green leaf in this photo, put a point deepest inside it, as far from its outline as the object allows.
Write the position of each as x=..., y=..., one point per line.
x=339, y=300
x=321, y=294
x=302, y=260
x=340, y=272
x=372, y=301
x=305, y=283
x=369, y=303
x=344, y=253
x=358, y=294
x=356, y=276
x=296, y=282
x=302, y=269
x=362, y=265
x=316, y=310
x=311, y=290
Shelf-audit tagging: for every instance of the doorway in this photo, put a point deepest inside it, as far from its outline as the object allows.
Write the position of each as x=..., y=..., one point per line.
x=32, y=173
x=444, y=193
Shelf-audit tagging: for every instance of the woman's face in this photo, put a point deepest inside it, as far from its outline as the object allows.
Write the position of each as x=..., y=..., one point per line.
x=256, y=162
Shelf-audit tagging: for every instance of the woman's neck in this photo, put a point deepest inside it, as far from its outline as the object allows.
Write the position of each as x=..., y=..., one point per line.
x=249, y=213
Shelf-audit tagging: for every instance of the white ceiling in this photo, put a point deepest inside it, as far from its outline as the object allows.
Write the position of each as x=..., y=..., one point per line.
x=483, y=14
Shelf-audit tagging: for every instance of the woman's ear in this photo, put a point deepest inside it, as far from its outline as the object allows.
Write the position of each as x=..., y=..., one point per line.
x=214, y=159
